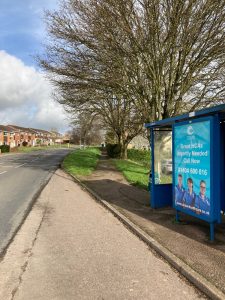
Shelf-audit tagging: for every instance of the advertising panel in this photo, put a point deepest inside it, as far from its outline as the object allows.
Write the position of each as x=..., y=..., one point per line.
x=192, y=168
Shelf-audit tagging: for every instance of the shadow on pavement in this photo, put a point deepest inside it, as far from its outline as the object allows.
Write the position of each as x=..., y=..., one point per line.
x=136, y=201
x=189, y=242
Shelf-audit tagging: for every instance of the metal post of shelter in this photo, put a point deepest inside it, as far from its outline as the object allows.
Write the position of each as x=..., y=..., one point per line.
x=152, y=167
x=212, y=231
x=177, y=216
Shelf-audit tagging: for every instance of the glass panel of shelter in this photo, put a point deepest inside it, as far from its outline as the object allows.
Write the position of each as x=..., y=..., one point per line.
x=163, y=156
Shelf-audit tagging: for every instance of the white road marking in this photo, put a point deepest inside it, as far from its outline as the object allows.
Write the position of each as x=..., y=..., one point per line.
x=20, y=166
x=3, y=172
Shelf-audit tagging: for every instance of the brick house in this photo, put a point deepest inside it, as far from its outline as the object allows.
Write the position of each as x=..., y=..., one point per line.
x=4, y=135
x=42, y=137
x=7, y=136
x=56, y=137
x=23, y=134
x=139, y=142
x=14, y=136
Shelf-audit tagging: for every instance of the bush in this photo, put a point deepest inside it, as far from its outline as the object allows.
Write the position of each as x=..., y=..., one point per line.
x=5, y=148
x=139, y=156
x=113, y=150
x=24, y=143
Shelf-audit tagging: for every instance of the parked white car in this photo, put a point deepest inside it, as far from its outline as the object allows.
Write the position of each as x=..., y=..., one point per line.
x=167, y=166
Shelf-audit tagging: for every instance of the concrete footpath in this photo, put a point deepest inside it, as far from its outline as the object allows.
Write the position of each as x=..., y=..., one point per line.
x=189, y=243
x=70, y=247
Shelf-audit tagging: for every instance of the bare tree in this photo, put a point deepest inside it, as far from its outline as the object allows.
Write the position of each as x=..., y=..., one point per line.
x=135, y=61
x=173, y=52
x=87, y=130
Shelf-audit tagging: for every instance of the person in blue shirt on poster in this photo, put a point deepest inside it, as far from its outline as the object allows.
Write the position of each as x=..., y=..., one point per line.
x=179, y=190
x=189, y=195
x=202, y=201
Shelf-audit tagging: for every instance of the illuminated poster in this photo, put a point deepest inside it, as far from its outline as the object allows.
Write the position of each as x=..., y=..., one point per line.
x=192, y=167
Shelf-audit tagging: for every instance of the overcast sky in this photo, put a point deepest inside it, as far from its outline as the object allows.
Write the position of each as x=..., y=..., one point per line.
x=25, y=94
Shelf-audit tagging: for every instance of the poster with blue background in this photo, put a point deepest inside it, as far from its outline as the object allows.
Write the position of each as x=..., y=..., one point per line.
x=192, y=168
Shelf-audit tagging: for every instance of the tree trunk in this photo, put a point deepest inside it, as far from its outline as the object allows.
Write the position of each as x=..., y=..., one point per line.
x=123, y=153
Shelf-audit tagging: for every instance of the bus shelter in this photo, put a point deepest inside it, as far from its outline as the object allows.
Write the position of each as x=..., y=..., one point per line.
x=188, y=164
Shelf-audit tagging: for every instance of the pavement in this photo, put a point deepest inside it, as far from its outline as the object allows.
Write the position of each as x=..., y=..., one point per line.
x=70, y=247
x=22, y=177
x=188, y=242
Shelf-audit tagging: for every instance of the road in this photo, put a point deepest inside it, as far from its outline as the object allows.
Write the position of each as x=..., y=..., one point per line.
x=22, y=176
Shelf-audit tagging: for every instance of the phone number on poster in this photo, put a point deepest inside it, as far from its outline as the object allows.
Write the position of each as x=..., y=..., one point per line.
x=193, y=171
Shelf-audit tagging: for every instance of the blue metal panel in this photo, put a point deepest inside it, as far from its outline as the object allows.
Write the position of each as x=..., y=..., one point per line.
x=163, y=195
x=215, y=177
x=222, y=166
x=152, y=198
x=173, y=162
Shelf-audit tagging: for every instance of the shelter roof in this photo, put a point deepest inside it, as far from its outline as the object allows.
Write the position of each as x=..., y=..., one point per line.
x=219, y=109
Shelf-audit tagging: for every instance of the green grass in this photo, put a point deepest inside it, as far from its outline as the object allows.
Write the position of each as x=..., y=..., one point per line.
x=82, y=162
x=135, y=173
x=139, y=156
x=37, y=148
x=136, y=168
x=165, y=179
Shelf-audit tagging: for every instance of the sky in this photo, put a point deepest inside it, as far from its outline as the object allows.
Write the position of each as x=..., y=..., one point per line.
x=25, y=93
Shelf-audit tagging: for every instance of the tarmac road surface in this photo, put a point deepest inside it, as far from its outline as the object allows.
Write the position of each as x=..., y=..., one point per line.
x=22, y=177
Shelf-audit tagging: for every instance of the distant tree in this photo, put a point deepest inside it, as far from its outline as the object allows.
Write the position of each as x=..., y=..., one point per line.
x=75, y=136
x=110, y=137
x=86, y=130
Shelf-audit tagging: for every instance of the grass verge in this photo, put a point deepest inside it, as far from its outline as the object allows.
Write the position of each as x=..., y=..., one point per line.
x=37, y=148
x=81, y=162
x=135, y=174
x=140, y=156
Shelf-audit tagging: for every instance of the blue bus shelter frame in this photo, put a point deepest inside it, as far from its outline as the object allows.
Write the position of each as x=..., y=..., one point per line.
x=162, y=195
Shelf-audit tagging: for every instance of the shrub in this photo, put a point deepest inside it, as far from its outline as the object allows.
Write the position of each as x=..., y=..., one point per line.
x=24, y=143
x=113, y=150
x=5, y=148
x=139, y=156
x=38, y=141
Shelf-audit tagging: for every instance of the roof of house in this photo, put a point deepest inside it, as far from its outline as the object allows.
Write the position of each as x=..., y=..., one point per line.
x=19, y=128
x=30, y=130
x=16, y=128
x=6, y=128
x=40, y=130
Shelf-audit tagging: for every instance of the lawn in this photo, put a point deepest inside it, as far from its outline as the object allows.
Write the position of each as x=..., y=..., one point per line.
x=82, y=162
x=140, y=156
x=136, y=174
x=37, y=148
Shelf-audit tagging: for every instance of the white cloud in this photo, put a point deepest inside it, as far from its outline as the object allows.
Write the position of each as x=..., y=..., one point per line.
x=25, y=96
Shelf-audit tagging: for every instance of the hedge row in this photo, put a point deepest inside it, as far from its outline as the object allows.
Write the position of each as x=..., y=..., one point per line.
x=137, y=155
x=113, y=150
x=4, y=148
